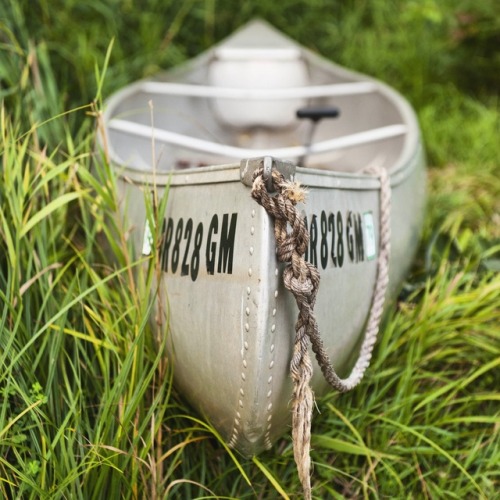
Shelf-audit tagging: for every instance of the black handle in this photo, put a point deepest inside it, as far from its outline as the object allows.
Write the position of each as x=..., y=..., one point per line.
x=318, y=112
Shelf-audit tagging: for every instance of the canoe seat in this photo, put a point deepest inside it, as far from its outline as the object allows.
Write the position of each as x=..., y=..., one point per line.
x=267, y=69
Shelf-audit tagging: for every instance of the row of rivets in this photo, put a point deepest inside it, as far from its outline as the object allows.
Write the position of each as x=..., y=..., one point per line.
x=237, y=419
x=267, y=436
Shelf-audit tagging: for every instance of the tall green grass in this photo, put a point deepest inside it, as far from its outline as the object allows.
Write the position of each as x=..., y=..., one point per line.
x=87, y=406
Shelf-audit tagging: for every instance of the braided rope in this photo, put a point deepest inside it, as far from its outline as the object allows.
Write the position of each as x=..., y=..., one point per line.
x=302, y=279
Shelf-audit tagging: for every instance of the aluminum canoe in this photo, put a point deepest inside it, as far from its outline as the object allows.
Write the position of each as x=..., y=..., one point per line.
x=199, y=131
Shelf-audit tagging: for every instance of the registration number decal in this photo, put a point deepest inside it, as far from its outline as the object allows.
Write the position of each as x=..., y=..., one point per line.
x=336, y=238
x=187, y=246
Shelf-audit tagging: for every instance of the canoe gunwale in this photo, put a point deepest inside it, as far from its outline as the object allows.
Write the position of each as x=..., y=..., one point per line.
x=232, y=172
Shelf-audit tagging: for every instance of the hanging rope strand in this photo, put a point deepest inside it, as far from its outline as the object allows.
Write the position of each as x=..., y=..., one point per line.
x=302, y=279
x=377, y=305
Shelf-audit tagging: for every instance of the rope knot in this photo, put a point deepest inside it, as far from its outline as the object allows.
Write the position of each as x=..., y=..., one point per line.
x=298, y=285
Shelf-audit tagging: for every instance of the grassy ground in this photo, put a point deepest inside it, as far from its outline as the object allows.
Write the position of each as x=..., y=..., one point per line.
x=87, y=408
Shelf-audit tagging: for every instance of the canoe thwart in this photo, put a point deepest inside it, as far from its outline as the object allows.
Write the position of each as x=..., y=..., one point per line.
x=211, y=92
x=135, y=129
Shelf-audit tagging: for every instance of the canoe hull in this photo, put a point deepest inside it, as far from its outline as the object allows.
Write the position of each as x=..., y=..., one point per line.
x=230, y=319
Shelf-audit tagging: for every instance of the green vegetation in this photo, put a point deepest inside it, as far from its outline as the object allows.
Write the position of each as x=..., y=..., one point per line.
x=87, y=408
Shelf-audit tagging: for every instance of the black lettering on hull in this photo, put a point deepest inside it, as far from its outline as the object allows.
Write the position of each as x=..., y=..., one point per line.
x=337, y=239
x=181, y=250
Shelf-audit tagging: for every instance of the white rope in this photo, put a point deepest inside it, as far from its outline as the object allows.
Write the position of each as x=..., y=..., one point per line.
x=378, y=299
